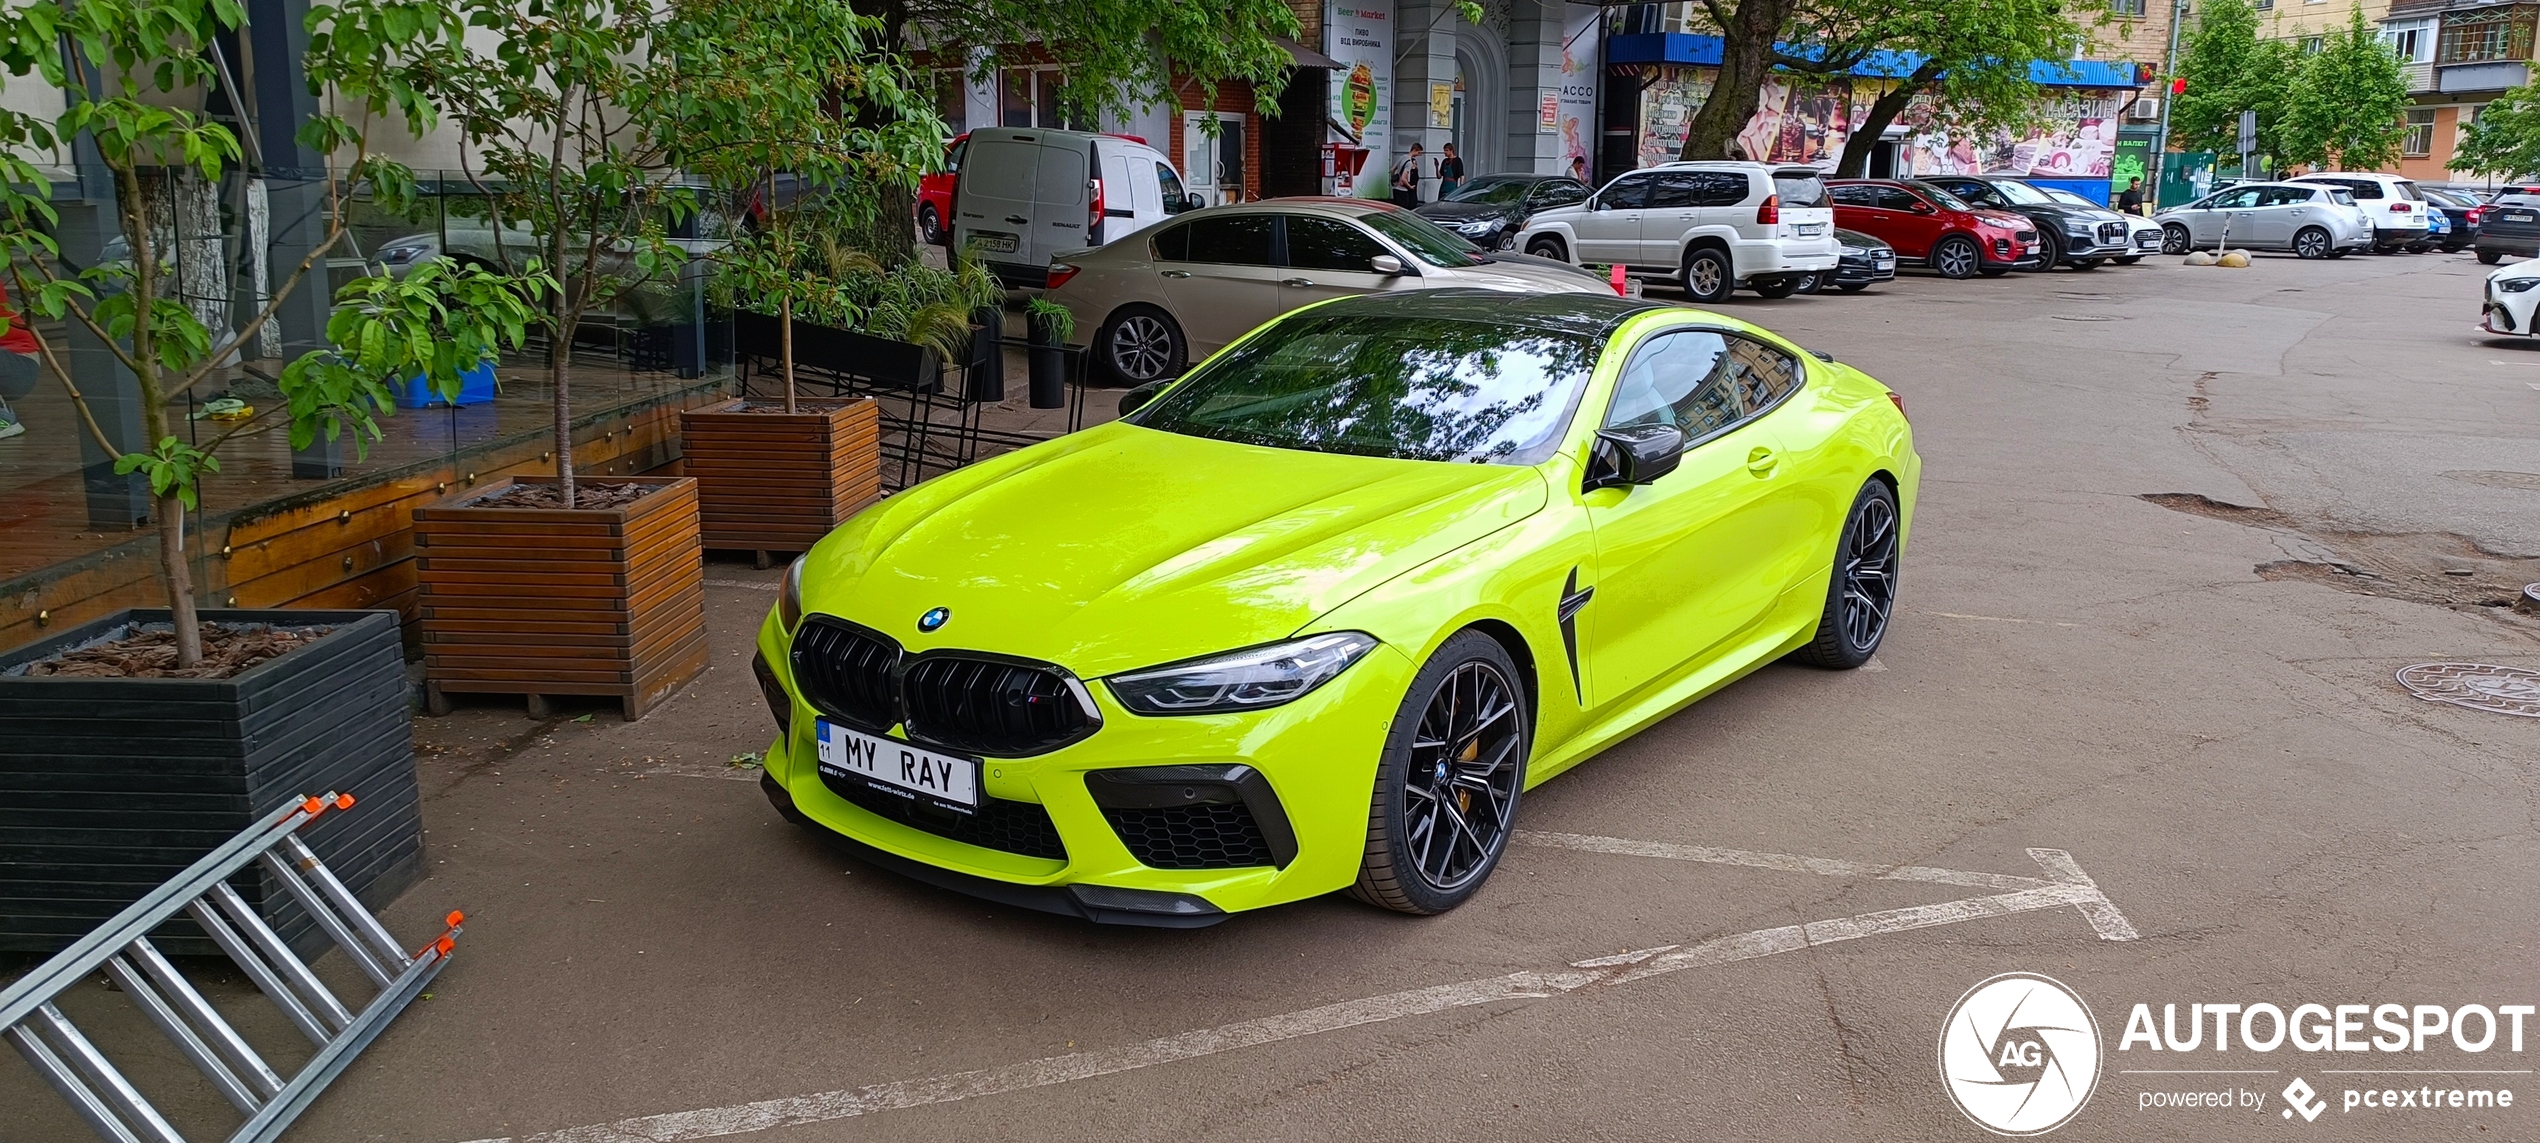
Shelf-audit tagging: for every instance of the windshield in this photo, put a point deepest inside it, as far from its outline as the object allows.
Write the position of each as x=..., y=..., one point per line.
x=1409, y=388
x=1423, y=238
x=2068, y=198
x=1496, y=192
x=1946, y=200
x=2021, y=193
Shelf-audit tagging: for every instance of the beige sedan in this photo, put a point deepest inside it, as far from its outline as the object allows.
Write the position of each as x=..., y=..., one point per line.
x=1150, y=304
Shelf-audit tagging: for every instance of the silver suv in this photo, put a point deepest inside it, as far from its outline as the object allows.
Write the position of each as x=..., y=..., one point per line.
x=1710, y=227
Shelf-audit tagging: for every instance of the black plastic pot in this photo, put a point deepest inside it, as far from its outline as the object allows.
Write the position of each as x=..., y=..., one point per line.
x=1047, y=361
x=110, y=786
x=986, y=382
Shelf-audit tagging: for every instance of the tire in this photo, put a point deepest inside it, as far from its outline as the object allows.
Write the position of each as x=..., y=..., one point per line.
x=1468, y=699
x=2311, y=243
x=1708, y=277
x=930, y=225
x=1862, y=594
x=2083, y=263
x=2419, y=247
x=1776, y=288
x=1140, y=343
x=1548, y=248
x=1853, y=287
x=2174, y=239
x=2127, y=260
x=2050, y=251
x=1956, y=257
x=2489, y=257
x=1811, y=283
x=2334, y=255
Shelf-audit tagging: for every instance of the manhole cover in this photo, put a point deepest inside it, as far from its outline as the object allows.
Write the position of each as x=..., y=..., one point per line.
x=2085, y=317
x=2478, y=686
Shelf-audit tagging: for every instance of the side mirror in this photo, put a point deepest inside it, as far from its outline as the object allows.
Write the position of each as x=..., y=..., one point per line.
x=1385, y=264
x=1138, y=398
x=1636, y=455
x=1921, y=207
x=1192, y=201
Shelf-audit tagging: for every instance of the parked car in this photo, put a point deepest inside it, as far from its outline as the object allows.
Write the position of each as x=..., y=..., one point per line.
x=1024, y=194
x=1158, y=671
x=1709, y=227
x=1150, y=306
x=1931, y=227
x=2461, y=212
x=1866, y=262
x=2510, y=226
x=2079, y=236
x=2312, y=220
x=1490, y=211
x=2143, y=236
x=935, y=191
x=2438, y=230
x=2394, y=205
x=2513, y=296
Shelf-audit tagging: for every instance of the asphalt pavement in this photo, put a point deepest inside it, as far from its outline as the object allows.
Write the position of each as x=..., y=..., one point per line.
x=2135, y=728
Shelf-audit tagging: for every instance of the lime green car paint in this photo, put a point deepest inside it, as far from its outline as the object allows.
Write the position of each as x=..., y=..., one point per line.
x=1123, y=547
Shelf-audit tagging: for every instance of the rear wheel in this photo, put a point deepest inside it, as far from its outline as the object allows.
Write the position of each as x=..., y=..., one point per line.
x=1812, y=283
x=1863, y=593
x=1548, y=248
x=2419, y=247
x=1853, y=287
x=2050, y=250
x=930, y=224
x=1707, y=275
x=2312, y=242
x=1956, y=257
x=2174, y=239
x=1141, y=343
x=1447, y=787
x=2489, y=257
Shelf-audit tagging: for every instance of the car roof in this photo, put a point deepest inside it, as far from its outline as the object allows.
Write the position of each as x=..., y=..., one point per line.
x=1338, y=204
x=2375, y=176
x=1596, y=315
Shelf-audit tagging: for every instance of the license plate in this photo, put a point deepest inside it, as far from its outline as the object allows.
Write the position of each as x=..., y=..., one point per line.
x=2520, y=216
x=1810, y=229
x=993, y=242
x=1884, y=263
x=899, y=768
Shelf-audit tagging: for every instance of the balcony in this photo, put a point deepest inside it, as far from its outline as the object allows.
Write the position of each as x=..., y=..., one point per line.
x=2487, y=75
x=2420, y=75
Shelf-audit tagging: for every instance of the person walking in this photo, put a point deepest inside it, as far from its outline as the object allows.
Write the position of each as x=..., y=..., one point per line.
x=1450, y=173
x=1406, y=179
x=2131, y=200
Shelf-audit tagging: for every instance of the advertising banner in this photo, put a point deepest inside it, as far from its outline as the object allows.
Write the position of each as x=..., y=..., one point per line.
x=1359, y=36
x=1575, y=117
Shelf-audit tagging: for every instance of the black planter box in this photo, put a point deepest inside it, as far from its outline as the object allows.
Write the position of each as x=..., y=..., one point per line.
x=109, y=787
x=886, y=363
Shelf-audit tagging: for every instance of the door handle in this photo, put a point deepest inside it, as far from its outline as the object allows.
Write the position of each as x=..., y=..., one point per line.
x=1299, y=282
x=1761, y=461
x=1018, y=220
x=1176, y=274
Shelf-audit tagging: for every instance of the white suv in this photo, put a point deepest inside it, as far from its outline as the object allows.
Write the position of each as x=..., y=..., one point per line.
x=2393, y=206
x=1710, y=226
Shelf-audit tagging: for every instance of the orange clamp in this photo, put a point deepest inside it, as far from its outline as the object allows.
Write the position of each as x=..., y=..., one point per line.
x=343, y=801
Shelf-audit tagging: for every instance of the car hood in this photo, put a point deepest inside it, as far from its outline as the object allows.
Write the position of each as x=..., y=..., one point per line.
x=1524, y=272
x=1122, y=547
x=1856, y=242
x=2005, y=219
x=1463, y=211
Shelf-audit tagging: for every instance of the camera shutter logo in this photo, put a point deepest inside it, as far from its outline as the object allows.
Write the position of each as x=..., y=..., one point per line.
x=2020, y=1054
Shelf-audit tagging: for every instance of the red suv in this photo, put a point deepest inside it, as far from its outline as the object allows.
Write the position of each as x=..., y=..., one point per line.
x=1930, y=226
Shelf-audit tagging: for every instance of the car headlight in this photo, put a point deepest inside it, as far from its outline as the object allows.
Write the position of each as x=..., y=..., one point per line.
x=789, y=597
x=2517, y=285
x=1251, y=679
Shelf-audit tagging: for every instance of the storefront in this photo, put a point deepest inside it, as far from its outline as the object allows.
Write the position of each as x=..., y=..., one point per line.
x=1515, y=93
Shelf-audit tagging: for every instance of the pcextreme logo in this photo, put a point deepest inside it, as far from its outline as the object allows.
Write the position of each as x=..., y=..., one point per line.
x=2019, y=1054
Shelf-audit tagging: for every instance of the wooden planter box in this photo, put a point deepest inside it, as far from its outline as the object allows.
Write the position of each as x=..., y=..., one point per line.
x=539, y=601
x=109, y=787
x=769, y=482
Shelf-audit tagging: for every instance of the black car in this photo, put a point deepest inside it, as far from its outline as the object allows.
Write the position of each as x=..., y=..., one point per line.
x=2511, y=225
x=1866, y=262
x=1490, y=210
x=2077, y=236
x=2461, y=211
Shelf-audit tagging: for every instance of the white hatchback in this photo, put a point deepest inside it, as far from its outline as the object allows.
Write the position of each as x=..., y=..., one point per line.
x=2392, y=204
x=1710, y=227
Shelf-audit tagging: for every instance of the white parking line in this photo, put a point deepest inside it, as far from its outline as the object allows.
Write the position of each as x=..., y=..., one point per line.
x=2067, y=886
x=1788, y=863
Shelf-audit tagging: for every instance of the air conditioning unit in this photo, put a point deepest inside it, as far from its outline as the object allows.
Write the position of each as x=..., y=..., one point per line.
x=2146, y=108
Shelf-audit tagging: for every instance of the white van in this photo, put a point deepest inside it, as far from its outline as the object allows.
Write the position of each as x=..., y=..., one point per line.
x=1027, y=193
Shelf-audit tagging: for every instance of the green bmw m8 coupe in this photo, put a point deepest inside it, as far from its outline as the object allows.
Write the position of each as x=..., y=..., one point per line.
x=1316, y=615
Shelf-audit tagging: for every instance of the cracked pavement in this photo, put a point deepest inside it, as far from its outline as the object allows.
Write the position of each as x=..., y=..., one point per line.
x=2073, y=667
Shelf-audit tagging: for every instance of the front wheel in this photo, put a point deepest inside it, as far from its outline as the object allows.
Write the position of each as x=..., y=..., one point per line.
x=2311, y=243
x=1812, y=283
x=1777, y=287
x=1447, y=786
x=1141, y=344
x=1548, y=248
x=2083, y=263
x=2050, y=250
x=1863, y=593
x=2419, y=247
x=1956, y=257
x=1853, y=287
x=2489, y=257
x=930, y=225
x=2128, y=260
x=2174, y=239
x=1708, y=277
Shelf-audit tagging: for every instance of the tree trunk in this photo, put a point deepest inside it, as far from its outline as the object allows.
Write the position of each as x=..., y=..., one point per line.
x=1883, y=111
x=785, y=345
x=1745, y=59
x=180, y=581
x=559, y=367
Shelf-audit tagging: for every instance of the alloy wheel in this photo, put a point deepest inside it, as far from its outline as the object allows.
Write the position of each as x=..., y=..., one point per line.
x=1141, y=347
x=2311, y=244
x=1460, y=790
x=2174, y=240
x=1958, y=259
x=1868, y=568
x=1705, y=280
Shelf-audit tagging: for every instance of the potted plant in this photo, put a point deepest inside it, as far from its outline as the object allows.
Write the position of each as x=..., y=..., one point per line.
x=138, y=741
x=1051, y=324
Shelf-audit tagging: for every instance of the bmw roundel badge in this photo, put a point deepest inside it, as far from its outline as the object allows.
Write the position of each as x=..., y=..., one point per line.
x=934, y=618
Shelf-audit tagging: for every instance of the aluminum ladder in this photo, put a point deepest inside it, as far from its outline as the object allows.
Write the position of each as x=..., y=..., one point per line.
x=109, y=1102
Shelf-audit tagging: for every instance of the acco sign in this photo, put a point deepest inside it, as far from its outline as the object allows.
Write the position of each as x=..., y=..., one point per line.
x=2264, y=1027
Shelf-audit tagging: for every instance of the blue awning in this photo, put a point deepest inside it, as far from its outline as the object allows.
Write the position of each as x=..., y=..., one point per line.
x=1685, y=49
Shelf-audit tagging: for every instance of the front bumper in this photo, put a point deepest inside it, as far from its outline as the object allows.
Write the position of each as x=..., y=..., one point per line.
x=1864, y=272
x=1318, y=756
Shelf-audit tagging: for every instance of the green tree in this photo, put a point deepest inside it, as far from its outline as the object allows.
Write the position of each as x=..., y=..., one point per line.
x=2229, y=70
x=1975, y=61
x=1750, y=32
x=116, y=68
x=2344, y=110
x=2504, y=139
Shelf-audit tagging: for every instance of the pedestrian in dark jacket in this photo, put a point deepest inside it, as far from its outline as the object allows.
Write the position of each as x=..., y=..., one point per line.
x=1450, y=173
x=1406, y=179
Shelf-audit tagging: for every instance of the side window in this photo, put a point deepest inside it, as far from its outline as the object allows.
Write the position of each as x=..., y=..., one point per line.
x=1760, y=373
x=1677, y=380
x=1236, y=239
x=1558, y=194
x=1329, y=244
x=952, y=157
x=1628, y=193
x=1853, y=195
x=1719, y=188
x=2365, y=189
x=1981, y=194
x=1173, y=244
x=1897, y=198
x=1171, y=185
x=2289, y=196
x=1674, y=189
x=2240, y=199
